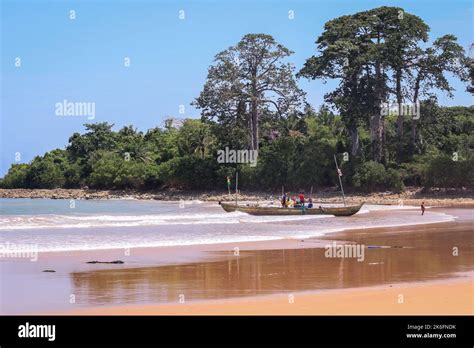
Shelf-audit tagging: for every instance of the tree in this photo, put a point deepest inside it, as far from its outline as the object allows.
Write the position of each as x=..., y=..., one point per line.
x=99, y=137
x=195, y=138
x=82, y=147
x=346, y=53
x=470, y=88
x=469, y=62
x=162, y=143
x=16, y=177
x=188, y=172
x=428, y=71
x=404, y=36
x=45, y=173
x=372, y=176
x=247, y=80
x=363, y=50
x=131, y=144
x=104, y=170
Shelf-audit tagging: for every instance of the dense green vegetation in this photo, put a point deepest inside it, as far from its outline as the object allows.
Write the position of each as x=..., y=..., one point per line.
x=251, y=100
x=299, y=157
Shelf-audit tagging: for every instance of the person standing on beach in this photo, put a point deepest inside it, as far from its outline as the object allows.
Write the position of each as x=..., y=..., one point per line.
x=422, y=208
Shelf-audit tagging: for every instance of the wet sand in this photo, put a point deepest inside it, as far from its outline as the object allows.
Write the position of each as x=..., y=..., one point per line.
x=452, y=297
x=261, y=272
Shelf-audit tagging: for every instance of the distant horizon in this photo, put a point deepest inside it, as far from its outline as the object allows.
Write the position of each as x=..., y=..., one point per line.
x=85, y=59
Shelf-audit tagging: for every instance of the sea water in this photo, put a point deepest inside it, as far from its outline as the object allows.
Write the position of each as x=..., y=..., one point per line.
x=58, y=225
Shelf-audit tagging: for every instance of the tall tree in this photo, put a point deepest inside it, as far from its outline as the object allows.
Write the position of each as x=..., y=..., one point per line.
x=343, y=51
x=374, y=24
x=429, y=68
x=404, y=35
x=248, y=80
x=469, y=62
x=374, y=54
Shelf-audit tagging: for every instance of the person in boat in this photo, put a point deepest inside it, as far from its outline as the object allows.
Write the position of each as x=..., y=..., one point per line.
x=296, y=202
x=301, y=198
x=310, y=203
x=291, y=203
x=284, y=200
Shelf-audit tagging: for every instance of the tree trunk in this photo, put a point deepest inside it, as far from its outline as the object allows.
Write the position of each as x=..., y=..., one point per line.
x=413, y=136
x=400, y=115
x=376, y=121
x=413, y=120
x=376, y=135
x=385, y=155
x=254, y=111
x=354, y=141
x=376, y=131
x=254, y=125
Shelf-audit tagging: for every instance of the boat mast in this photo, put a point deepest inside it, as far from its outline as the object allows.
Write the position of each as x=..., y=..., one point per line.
x=236, y=185
x=340, y=181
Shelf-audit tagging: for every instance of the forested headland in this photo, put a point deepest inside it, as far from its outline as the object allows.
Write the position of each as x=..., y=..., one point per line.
x=382, y=121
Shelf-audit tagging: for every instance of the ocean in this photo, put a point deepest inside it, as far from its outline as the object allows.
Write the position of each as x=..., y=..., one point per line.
x=63, y=225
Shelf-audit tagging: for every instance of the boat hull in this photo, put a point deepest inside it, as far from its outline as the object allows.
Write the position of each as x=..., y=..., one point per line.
x=336, y=211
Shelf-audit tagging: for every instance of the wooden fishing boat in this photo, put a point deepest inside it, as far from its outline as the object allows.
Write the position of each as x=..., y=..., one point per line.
x=257, y=210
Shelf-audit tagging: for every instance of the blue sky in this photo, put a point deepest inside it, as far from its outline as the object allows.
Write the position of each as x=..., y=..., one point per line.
x=83, y=59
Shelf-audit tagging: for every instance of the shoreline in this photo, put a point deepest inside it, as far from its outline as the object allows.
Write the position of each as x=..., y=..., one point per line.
x=259, y=281
x=283, y=243
x=412, y=196
x=206, y=250
x=450, y=296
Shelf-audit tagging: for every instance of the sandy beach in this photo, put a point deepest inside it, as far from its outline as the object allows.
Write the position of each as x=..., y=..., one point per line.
x=282, y=276
x=448, y=297
x=439, y=293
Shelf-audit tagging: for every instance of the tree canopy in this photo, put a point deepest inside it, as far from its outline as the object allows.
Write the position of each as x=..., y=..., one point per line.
x=248, y=82
x=251, y=101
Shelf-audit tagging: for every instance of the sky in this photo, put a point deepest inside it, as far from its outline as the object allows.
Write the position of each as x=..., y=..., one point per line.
x=83, y=59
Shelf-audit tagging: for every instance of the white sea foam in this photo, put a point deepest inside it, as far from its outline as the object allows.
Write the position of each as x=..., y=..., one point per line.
x=437, y=218
x=21, y=222
x=109, y=244
x=207, y=225
x=89, y=221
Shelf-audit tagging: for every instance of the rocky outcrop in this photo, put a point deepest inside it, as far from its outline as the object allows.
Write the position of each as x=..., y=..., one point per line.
x=412, y=196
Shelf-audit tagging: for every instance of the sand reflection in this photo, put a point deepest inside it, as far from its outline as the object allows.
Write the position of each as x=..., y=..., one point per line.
x=427, y=254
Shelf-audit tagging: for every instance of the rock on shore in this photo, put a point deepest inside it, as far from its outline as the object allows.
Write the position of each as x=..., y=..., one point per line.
x=412, y=196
